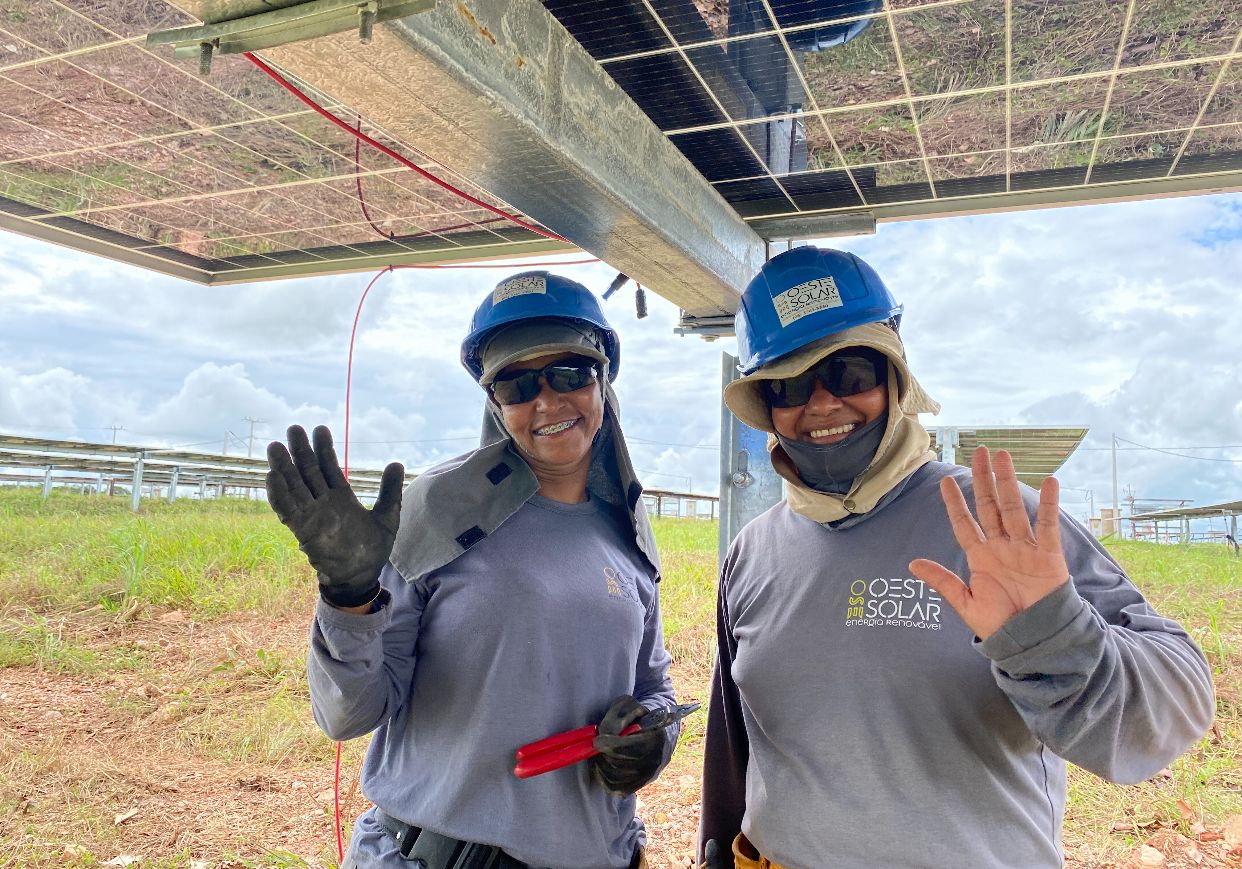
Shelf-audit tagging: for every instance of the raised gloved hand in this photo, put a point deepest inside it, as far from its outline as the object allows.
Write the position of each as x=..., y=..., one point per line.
x=712, y=858
x=626, y=763
x=347, y=544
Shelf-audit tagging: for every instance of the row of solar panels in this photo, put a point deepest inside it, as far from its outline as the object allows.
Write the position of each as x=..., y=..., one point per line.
x=786, y=107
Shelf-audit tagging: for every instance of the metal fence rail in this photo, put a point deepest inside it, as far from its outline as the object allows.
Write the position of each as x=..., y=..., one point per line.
x=154, y=473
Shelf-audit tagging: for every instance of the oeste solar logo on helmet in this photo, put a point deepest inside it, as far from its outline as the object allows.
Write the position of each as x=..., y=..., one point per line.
x=523, y=285
x=817, y=295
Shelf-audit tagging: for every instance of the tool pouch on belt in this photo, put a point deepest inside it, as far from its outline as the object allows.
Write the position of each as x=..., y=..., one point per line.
x=441, y=852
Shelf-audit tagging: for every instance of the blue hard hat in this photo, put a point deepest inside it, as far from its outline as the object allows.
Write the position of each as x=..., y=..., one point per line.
x=535, y=295
x=803, y=295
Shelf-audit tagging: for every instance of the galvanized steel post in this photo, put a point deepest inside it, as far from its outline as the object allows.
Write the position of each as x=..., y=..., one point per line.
x=749, y=485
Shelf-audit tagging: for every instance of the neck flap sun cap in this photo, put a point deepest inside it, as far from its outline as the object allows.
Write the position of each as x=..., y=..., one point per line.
x=805, y=294
x=451, y=507
x=904, y=448
x=537, y=295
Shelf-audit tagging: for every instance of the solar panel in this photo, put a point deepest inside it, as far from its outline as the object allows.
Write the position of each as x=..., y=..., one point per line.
x=786, y=108
x=935, y=101
x=1037, y=451
x=129, y=151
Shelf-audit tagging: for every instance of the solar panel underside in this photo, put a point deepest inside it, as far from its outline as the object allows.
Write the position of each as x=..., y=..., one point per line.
x=130, y=148
x=787, y=107
x=795, y=106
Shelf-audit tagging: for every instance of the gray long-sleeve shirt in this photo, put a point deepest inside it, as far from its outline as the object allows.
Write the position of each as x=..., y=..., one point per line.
x=532, y=631
x=856, y=722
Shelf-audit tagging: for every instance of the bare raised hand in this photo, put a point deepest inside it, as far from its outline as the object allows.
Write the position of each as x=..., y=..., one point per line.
x=1011, y=566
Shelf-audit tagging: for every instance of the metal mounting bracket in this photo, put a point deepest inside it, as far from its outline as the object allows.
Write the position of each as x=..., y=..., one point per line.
x=281, y=26
x=707, y=328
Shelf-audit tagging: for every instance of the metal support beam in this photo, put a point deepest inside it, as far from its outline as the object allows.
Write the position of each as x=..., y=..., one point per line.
x=749, y=484
x=819, y=226
x=47, y=482
x=502, y=94
x=172, y=484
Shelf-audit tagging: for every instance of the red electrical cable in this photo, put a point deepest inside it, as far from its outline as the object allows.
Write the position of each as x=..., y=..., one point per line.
x=349, y=379
x=358, y=182
x=392, y=236
x=280, y=80
x=349, y=366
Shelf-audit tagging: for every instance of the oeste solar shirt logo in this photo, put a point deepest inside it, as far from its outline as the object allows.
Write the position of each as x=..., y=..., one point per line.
x=893, y=603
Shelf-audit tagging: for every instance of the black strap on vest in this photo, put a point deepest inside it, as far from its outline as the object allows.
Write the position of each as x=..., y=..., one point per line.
x=470, y=536
x=497, y=474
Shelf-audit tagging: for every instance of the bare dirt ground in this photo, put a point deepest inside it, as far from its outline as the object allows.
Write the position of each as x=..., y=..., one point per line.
x=122, y=768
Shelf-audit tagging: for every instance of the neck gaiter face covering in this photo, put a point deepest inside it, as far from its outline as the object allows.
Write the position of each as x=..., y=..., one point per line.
x=831, y=468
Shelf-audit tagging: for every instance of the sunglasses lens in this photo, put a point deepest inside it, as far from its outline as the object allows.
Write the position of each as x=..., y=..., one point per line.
x=842, y=374
x=791, y=391
x=854, y=374
x=516, y=390
x=568, y=378
x=523, y=386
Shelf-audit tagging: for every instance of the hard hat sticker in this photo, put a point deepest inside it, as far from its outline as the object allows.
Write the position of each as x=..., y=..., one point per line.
x=817, y=295
x=523, y=285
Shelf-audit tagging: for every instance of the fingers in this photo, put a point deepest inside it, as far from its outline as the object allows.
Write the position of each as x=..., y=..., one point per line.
x=306, y=461
x=387, y=507
x=632, y=747
x=329, y=466
x=1012, y=508
x=285, y=490
x=622, y=712
x=985, y=492
x=964, y=527
x=1048, y=518
x=946, y=583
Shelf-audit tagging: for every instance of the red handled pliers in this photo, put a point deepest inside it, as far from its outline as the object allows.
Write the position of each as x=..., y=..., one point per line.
x=573, y=746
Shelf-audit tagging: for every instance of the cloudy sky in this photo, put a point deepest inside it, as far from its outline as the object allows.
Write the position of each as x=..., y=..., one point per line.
x=1126, y=318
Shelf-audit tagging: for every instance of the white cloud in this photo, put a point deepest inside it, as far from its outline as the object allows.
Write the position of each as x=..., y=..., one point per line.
x=1086, y=315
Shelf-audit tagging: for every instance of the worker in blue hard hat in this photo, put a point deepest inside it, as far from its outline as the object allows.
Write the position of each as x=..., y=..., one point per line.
x=509, y=596
x=910, y=652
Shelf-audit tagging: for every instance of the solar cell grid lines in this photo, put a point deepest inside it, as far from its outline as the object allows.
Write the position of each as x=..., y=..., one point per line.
x=963, y=97
x=787, y=108
x=105, y=138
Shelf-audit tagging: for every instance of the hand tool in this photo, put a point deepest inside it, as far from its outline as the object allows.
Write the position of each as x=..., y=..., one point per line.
x=573, y=746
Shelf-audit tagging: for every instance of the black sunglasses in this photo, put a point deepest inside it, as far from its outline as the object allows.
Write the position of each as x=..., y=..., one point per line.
x=521, y=386
x=844, y=373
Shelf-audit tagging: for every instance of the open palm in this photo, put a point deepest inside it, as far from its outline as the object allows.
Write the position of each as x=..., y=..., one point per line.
x=1011, y=566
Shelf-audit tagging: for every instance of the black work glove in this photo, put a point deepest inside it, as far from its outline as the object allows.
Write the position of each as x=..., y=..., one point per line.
x=712, y=858
x=345, y=542
x=626, y=763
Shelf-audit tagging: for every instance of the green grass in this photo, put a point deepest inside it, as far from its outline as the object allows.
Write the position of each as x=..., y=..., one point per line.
x=208, y=557
x=81, y=575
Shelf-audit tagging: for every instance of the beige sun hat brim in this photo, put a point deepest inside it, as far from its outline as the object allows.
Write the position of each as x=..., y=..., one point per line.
x=745, y=398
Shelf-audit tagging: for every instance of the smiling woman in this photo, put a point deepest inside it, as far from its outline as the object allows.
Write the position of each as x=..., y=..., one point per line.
x=476, y=572
x=554, y=428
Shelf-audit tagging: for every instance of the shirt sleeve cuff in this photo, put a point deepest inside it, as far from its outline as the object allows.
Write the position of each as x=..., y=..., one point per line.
x=1038, y=623
x=327, y=614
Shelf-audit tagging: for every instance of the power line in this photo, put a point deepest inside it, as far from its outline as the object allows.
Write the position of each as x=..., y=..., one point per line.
x=633, y=439
x=1138, y=447
x=1181, y=455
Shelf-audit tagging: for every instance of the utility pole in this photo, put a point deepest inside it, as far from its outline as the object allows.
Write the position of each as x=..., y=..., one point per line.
x=1116, y=508
x=116, y=428
x=250, y=440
